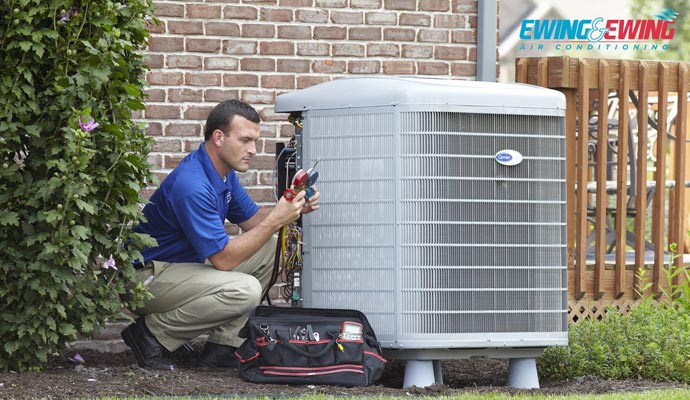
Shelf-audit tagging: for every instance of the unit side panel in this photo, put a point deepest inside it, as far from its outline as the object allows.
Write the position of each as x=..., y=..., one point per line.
x=350, y=259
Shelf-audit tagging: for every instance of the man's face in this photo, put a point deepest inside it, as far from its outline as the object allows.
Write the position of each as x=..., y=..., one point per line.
x=239, y=146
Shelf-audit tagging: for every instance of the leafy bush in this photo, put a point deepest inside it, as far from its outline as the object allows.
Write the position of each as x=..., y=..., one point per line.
x=73, y=164
x=651, y=342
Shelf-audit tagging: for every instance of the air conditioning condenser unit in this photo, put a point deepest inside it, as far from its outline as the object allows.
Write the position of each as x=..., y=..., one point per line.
x=442, y=216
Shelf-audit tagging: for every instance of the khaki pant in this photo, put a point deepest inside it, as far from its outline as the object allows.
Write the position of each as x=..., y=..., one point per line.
x=190, y=299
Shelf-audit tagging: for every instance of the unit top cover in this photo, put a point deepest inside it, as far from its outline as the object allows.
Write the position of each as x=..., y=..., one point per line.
x=377, y=91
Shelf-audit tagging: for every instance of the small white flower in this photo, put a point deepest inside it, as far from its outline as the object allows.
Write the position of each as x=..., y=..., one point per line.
x=110, y=263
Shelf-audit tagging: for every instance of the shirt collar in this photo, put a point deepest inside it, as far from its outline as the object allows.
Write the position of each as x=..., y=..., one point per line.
x=215, y=179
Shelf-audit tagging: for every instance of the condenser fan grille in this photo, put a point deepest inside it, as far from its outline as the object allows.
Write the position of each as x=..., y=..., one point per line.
x=423, y=230
x=480, y=323
x=492, y=210
x=443, y=278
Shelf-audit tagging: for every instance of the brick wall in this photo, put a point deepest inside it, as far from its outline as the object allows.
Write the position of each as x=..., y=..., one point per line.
x=207, y=51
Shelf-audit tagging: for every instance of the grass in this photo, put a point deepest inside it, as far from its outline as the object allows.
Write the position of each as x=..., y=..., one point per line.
x=668, y=394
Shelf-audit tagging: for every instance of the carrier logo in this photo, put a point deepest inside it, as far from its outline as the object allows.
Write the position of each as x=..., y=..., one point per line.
x=508, y=158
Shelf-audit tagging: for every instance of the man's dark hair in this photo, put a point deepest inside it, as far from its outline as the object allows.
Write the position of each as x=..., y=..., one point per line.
x=222, y=114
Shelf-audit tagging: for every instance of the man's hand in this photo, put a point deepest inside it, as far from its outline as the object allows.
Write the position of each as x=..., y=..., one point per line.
x=312, y=204
x=286, y=212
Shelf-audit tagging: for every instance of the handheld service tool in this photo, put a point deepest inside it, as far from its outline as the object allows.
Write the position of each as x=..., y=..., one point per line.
x=351, y=330
x=303, y=180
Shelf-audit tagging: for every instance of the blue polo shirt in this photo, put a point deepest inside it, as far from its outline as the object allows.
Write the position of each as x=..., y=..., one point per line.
x=186, y=214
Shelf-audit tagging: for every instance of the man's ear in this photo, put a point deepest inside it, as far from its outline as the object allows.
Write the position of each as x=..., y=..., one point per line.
x=217, y=137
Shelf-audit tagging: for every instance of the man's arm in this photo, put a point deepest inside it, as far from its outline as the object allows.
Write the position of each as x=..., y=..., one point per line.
x=258, y=230
x=309, y=205
x=252, y=222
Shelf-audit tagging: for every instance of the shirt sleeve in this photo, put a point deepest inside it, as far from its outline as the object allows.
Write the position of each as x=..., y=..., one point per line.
x=198, y=217
x=241, y=206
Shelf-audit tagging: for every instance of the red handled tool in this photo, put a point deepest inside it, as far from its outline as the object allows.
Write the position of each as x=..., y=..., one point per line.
x=303, y=180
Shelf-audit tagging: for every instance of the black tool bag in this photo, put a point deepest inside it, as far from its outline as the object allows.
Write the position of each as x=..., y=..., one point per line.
x=309, y=346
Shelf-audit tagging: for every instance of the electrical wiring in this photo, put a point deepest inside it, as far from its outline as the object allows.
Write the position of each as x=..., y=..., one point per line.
x=291, y=260
x=278, y=192
x=288, y=256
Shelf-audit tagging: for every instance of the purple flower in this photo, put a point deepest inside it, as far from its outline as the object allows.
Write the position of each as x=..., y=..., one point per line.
x=87, y=125
x=64, y=18
x=110, y=263
x=77, y=359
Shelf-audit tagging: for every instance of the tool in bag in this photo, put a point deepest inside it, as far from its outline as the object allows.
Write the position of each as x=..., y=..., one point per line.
x=309, y=346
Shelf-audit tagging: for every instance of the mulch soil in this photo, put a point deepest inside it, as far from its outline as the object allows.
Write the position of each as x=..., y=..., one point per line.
x=116, y=374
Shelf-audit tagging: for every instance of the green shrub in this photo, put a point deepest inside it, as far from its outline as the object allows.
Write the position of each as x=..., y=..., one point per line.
x=651, y=342
x=69, y=191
